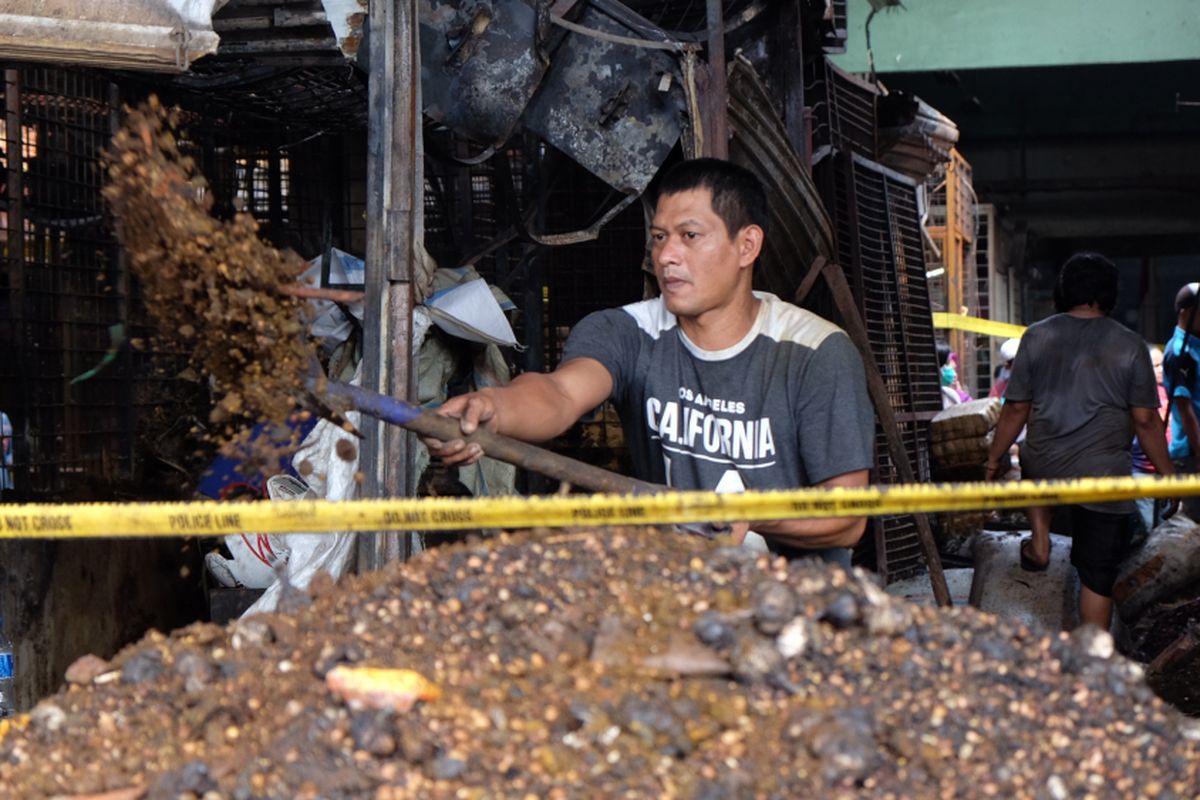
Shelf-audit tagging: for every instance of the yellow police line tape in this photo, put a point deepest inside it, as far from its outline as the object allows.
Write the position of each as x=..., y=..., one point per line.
x=987, y=327
x=99, y=520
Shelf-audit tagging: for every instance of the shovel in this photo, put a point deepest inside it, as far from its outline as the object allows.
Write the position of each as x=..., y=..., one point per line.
x=503, y=448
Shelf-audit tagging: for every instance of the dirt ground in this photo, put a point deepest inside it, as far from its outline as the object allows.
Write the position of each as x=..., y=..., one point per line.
x=614, y=663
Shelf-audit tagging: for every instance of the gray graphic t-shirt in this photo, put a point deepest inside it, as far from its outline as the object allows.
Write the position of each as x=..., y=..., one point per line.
x=1082, y=377
x=785, y=407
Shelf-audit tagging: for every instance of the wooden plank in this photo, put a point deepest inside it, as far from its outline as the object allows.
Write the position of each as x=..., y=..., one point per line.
x=256, y=23
x=279, y=45
x=716, y=93
x=810, y=278
x=394, y=186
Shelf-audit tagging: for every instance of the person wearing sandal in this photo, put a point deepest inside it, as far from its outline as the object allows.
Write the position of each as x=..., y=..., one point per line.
x=1084, y=384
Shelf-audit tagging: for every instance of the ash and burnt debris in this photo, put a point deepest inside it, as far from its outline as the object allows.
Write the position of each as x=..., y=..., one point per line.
x=615, y=107
x=567, y=664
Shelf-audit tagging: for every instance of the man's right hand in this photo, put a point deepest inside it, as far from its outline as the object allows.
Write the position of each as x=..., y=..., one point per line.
x=472, y=410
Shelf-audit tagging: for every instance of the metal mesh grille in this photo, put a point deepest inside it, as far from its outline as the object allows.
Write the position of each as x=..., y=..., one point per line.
x=983, y=344
x=589, y=276
x=63, y=285
x=63, y=282
x=323, y=184
x=879, y=245
x=843, y=109
x=303, y=98
x=471, y=210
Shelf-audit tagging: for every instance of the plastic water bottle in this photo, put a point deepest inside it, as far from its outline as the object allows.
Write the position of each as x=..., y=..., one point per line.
x=7, y=700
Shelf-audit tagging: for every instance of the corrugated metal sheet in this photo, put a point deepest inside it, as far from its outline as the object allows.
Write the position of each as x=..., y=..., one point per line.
x=287, y=32
x=160, y=35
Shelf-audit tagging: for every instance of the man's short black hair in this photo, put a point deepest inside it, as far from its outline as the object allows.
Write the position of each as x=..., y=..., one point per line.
x=1084, y=279
x=738, y=196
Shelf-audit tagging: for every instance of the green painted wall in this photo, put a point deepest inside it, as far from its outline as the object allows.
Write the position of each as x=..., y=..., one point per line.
x=980, y=34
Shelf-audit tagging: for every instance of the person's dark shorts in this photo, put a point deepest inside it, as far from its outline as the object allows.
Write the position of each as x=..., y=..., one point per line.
x=1099, y=543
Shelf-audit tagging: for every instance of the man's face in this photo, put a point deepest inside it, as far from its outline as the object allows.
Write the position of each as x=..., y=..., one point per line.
x=697, y=262
x=1156, y=359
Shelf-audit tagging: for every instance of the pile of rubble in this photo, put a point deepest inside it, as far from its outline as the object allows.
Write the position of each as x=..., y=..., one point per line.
x=617, y=662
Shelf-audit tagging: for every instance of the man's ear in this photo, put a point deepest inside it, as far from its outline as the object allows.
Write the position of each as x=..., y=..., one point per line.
x=750, y=244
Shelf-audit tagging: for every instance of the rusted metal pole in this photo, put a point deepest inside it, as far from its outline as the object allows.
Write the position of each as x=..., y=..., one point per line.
x=394, y=195
x=716, y=136
x=785, y=42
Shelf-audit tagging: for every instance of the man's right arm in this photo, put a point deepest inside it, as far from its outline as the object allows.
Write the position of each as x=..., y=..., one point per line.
x=535, y=407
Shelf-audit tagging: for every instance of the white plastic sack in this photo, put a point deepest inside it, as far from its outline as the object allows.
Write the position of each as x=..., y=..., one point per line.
x=332, y=478
x=253, y=556
x=300, y=555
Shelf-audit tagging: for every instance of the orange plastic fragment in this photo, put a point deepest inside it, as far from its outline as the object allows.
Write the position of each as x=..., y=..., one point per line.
x=374, y=687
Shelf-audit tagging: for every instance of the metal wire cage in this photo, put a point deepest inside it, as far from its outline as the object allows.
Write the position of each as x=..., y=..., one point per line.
x=66, y=296
x=63, y=285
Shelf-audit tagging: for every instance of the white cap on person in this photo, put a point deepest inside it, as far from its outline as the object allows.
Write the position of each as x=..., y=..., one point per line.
x=1008, y=350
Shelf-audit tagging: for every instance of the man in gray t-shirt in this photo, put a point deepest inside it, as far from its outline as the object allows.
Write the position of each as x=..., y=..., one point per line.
x=783, y=407
x=719, y=387
x=1084, y=384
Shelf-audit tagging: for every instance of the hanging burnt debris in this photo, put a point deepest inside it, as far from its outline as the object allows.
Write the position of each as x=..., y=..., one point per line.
x=615, y=107
x=914, y=138
x=480, y=64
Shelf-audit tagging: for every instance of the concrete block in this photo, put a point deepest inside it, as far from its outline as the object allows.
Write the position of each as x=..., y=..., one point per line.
x=1048, y=600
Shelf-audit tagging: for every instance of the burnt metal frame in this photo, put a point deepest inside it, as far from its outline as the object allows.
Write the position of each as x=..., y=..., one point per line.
x=16, y=237
x=65, y=283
